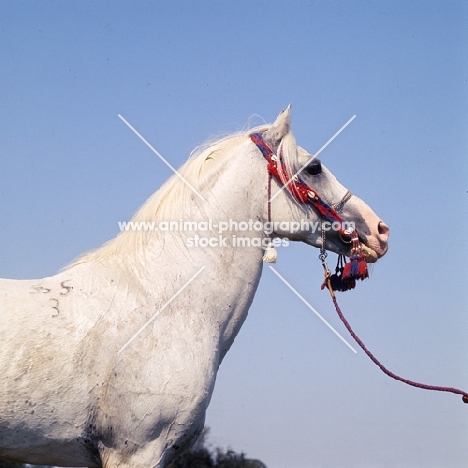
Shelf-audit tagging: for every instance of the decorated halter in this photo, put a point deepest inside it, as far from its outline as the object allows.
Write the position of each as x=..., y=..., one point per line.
x=346, y=273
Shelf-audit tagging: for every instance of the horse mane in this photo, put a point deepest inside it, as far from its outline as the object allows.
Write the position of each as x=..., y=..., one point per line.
x=170, y=201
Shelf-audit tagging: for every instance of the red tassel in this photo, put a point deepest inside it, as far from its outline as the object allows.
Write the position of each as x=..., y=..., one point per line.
x=350, y=270
x=356, y=269
x=363, y=273
x=337, y=282
x=346, y=271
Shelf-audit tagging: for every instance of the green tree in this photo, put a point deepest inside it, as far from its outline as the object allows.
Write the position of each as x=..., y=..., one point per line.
x=200, y=456
x=231, y=459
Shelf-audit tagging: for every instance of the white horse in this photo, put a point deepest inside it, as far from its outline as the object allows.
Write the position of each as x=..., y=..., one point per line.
x=112, y=362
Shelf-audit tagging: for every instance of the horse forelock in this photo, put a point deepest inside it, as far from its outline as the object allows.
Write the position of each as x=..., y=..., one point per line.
x=288, y=151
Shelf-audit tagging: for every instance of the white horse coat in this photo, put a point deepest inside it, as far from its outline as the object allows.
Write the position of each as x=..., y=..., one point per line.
x=112, y=362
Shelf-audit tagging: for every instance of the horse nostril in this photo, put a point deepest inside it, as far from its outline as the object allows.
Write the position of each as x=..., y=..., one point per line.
x=383, y=229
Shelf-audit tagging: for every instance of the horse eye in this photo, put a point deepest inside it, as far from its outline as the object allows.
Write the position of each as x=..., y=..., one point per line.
x=314, y=168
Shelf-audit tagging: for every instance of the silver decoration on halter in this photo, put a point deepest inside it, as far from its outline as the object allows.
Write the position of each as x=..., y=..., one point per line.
x=349, y=236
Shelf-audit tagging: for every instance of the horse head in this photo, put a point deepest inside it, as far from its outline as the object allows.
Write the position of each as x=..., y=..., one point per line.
x=307, y=203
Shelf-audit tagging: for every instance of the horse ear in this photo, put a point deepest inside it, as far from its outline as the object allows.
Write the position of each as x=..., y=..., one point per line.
x=279, y=129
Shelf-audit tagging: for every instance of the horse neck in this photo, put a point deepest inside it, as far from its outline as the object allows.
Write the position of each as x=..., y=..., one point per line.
x=235, y=190
x=226, y=286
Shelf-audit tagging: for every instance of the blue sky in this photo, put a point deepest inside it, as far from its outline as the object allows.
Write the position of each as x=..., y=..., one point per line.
x=289, y=392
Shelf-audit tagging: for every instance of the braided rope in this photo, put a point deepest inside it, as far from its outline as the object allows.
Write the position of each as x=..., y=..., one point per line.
x=305, y=194
x=388, y=372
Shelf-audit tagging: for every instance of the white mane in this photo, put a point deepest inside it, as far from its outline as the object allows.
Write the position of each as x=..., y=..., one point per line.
x=170, y=201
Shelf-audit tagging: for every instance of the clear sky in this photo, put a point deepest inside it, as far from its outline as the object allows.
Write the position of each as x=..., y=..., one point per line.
x=289, y=392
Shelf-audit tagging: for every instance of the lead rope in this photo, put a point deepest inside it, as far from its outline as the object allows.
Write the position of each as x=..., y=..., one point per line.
x=327, y=284
x=346, y=274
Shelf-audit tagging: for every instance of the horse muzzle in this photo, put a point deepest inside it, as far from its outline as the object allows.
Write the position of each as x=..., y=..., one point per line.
x=376, y=245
